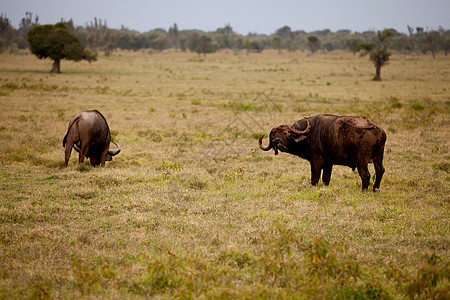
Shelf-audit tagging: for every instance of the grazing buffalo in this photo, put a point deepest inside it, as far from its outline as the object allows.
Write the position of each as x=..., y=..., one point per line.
x=327, y=140
x=88, y=134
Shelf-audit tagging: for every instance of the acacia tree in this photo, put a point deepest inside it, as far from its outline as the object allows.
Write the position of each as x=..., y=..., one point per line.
x=313, y=43
x=378, y=55
x=57, y=43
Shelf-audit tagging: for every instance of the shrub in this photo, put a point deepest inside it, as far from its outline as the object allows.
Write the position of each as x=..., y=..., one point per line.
x=395, y=102
x=417, y=106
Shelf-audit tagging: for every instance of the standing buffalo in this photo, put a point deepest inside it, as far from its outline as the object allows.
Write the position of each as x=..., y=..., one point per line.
x=88, y=134
x=327, y=140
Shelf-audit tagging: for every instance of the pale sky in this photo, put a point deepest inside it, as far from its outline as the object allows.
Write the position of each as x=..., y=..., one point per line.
x=256, y=16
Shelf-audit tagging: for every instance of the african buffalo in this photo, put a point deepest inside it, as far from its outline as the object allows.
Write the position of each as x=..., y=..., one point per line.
x=327, y=140
x=88, y=133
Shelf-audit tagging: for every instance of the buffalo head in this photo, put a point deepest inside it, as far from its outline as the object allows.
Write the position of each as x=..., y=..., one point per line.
x=109, y=155
x=285, y=137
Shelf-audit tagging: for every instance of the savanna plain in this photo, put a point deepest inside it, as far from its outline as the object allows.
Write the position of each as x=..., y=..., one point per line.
x=192, y=208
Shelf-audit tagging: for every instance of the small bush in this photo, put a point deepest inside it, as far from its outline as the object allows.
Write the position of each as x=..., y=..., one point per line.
x=395, y=102
x=430, y=280
x=417, y=106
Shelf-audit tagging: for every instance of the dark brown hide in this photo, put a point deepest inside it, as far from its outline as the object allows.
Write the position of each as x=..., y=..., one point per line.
x=88, y=132
x=332, y=140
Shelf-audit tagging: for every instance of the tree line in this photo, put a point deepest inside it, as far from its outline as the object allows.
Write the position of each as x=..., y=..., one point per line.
x=97, y=36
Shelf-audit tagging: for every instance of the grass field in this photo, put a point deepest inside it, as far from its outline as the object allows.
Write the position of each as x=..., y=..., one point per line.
x=192, y=208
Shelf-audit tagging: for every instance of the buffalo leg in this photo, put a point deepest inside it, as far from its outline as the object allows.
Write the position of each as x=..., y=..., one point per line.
x=83, y=152
x=379, y=171
x=316, y=168
x=326, y=177
x=67, y=153
x=365, y=175
x=378, y=164
x=103, y=157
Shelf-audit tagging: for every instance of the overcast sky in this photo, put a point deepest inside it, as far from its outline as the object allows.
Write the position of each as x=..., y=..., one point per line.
x=244, y=16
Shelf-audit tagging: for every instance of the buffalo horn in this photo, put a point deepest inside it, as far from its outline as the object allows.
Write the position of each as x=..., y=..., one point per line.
x=308, y=128
x=115, y=152
x=261, y=146
x=76, y=148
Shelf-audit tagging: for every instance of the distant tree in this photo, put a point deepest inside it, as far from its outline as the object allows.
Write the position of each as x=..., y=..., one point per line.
x=290, y=45
x=344, y=31
x=351, y=42
x=446, y=45
x=403, y=44
x=253, y=46
x=201, y=44
x=125, y=40
x=313, y=43
x=97, y=32
x=227, y=30
x=246, y=44
x=158, y=40
x=6, y=32
x=321, y=32
x=173, y=36
x=205, y=45
x=300, y=41
x=379, y=55
x=111, y=43
x=328, y=46
x=412, y=40
x=285, y=33
x=25, y=25
x=69, y=24
x=142, y=41
x=430, y=42
x=223, y=40
x=192, y=41
x=277, y=43
x=57, y=43
x=182, y=41
x=238, y=45
x=224, y=37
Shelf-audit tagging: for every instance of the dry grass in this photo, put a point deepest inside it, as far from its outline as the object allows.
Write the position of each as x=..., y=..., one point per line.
x=192, y=207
